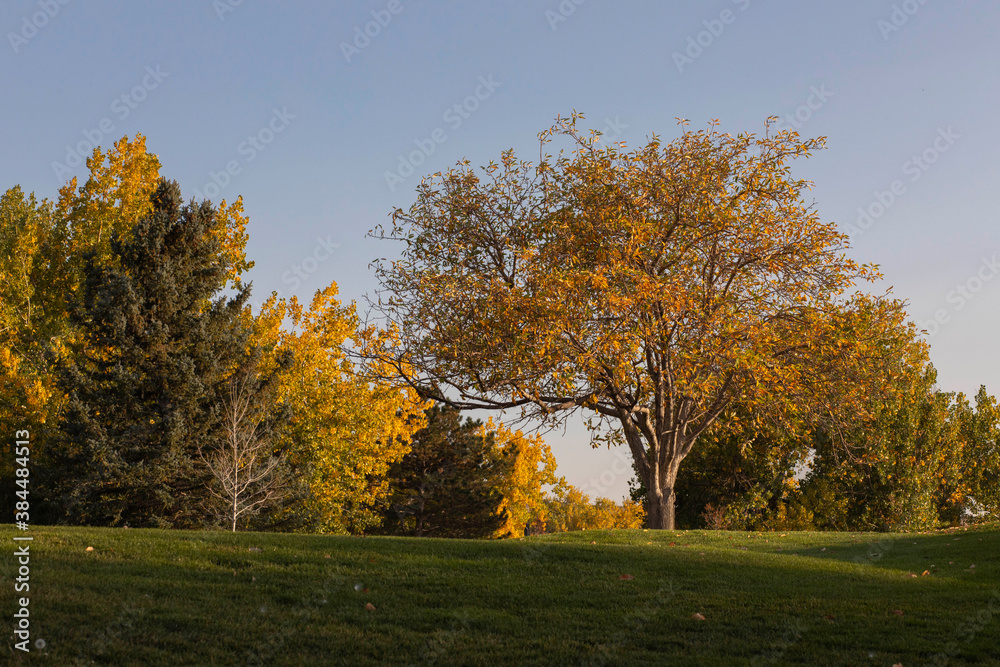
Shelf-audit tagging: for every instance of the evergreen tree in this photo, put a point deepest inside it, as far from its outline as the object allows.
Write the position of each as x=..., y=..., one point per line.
x=158, y=342
x=448, y=484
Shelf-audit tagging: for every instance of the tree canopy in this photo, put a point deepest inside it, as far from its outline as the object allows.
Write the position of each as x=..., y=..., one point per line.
x=158, y=340
x=651, y=287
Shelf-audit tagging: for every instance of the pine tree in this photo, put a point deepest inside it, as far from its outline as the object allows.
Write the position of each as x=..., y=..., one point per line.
x=159, y=340
x=448, y=484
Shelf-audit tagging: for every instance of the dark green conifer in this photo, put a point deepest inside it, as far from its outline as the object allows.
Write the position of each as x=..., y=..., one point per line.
x=447, y=485
x=159, y=338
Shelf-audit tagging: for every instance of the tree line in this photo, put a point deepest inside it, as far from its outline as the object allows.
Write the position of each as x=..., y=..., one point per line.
x=157, y=396
x=683, y=296
x=690, y=301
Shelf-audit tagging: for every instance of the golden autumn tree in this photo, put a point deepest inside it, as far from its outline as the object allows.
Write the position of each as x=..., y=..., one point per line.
x=114, y=198
x=568, y=508
x=45, y=247
x=533, y=467
x=345, y=431
x=650, y=287
x=30, y=320
x=116, y=195
x=28, y=311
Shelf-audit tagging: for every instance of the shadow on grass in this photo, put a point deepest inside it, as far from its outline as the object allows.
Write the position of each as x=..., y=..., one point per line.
x=159, y=597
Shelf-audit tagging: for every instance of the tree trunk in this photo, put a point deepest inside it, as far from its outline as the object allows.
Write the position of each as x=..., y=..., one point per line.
x=419, y=514
x=661, y=499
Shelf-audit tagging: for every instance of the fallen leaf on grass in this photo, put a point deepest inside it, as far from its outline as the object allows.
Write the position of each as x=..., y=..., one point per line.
x=370, y=607
x=626, y=577
x=672, y=544
x=328, y=556
x=897, y=612
x=912, y=575
x=255, y=549
x=925, y=573
x=830, y=618
x=698, y=617
x=593, y=542
x=89, y=549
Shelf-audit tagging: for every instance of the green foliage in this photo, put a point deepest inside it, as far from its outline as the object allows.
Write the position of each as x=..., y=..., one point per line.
x=449, y=484
x=740, y=476
x=925, y=461
x=926, y=458
x=144, y=383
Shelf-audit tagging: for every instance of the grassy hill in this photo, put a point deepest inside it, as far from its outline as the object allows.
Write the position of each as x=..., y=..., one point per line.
x=592, y=598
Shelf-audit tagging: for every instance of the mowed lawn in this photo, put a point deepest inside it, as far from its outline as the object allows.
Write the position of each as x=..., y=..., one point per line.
x=153, y=597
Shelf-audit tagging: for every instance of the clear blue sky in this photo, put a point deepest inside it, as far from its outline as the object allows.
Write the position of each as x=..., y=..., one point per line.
x=888, y=81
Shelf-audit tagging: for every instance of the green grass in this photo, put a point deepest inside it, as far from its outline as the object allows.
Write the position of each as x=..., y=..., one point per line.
x=150, y=597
